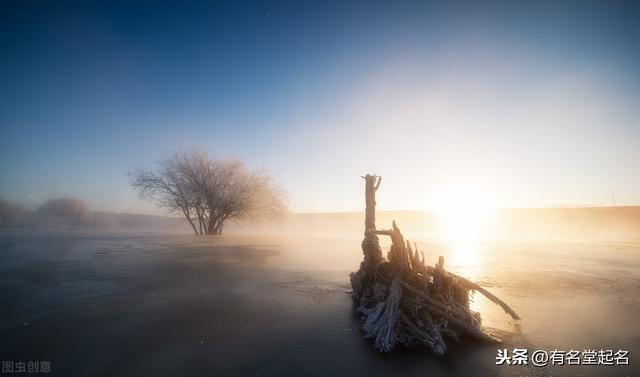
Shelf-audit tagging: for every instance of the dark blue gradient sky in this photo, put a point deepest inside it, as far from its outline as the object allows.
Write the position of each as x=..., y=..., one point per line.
x=527, y=103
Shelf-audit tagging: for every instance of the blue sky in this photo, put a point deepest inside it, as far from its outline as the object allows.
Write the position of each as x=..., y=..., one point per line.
x=526, y=103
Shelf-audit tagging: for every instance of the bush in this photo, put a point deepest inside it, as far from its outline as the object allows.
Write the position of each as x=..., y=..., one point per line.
x=66, y=211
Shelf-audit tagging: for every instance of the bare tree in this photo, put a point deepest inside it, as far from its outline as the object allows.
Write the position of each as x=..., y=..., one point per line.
x=166, y=187
x=66, y=210
x=209, y=192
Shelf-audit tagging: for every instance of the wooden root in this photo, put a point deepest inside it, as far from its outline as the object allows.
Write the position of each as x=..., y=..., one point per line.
x=404, y=301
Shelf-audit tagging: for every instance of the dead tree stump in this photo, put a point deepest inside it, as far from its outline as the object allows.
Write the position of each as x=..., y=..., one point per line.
x=404, y=301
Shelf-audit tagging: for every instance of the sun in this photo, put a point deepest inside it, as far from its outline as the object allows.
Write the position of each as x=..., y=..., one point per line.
x=462, y=211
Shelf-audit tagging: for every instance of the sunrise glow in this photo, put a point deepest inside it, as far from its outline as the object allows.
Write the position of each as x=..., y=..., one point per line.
x=463, y=211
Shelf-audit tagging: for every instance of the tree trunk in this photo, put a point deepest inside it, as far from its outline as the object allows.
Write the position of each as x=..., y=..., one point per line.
x=212, y=223
x=188, y=216
x=372, y=182
x=215, y=224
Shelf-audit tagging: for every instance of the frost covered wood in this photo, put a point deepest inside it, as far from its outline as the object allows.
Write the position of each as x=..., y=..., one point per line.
x=404, y=301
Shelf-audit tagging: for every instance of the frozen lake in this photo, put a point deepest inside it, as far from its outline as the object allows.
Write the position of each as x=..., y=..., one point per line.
x=145, y=304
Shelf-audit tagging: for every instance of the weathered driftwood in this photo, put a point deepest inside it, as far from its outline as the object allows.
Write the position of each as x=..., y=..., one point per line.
x=404, y=301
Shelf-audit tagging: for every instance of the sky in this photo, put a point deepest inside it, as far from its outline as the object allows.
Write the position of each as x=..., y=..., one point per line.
x=512, y=104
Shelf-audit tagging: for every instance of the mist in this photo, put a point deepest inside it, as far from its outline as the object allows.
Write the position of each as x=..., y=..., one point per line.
x=590, y=224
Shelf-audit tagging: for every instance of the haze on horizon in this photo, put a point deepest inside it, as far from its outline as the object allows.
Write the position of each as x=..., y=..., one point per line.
x=510, y=105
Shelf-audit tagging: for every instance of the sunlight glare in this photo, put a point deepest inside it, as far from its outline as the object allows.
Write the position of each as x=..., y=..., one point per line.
x=463, y=213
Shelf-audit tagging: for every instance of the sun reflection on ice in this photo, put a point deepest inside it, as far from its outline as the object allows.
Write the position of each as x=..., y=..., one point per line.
x=468, y=259
x=465, y=259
